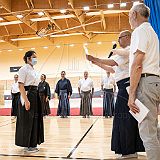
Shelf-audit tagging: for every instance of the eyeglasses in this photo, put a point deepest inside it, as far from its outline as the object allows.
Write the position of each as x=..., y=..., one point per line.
x=122, y=36
x=62, y=74
x=15, y=77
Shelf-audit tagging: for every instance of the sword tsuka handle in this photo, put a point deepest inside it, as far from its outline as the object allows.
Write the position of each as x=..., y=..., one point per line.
x=86, y=50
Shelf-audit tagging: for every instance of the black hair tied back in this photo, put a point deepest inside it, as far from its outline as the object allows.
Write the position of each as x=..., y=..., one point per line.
x=44, y=76
x=28, y=54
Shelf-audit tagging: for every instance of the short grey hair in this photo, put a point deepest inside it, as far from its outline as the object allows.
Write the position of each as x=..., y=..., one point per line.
x=127, y=32
x=85, y=71
x=142, y=9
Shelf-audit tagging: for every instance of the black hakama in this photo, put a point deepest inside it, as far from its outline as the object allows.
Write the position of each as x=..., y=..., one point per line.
x=63, y=89
x=86, y=104
x=125, y=133
x=15, y=99
x=44, y=92
x=29, y=126
x=108, y=103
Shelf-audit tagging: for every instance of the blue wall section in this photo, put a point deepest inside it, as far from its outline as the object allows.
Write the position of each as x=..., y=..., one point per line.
x=154, y=19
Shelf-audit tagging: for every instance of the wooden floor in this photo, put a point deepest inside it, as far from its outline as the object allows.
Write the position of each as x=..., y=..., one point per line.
x=72, y=138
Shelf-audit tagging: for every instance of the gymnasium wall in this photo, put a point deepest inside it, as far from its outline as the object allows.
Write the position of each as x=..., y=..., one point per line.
x=53, y=60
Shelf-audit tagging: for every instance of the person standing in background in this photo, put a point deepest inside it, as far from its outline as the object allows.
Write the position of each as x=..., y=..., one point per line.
x=15, y=96
x=45, y=95
x=64, y=92
x=86, y=90
x=108, y=87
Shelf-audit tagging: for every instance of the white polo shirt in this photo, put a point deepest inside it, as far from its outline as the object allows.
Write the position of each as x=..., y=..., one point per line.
x=108, y=82
x=85, y=84
x=28, y=76
x=15, y=87
x=122, y=70
x=146, y=40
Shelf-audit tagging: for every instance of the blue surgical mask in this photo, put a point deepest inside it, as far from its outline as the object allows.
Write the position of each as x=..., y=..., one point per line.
x=34, y=61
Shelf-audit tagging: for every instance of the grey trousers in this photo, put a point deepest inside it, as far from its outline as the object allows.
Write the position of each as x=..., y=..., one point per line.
x=148, y=92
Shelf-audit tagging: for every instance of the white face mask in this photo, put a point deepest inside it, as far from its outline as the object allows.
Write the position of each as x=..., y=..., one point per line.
x=34, y=61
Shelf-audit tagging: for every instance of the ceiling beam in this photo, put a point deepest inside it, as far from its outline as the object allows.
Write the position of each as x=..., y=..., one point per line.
x=30, y=24
x=78, y=13
x=8, y=40
x=110, y=20
x=32, y=4
x=96, y=4
x=75, y=27
x=20, y=5
x=111, y=25
x=33, y=26
x=26, y=21
x=52, y=20
x=66, y=20
x=71, y=3
x=6, y=30
x=80, y=16
x=28, y=4
x=6, y=4
x=50, y=4
x=21, y=28
x=103, y=20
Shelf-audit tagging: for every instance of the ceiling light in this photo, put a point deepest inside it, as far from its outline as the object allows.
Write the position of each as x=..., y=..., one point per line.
x=20, y=49
x=110, y=5
x=99, y=42
x=135, y=3
x=66, y=35
x=40, y=13
x=2, y=41
x=33, y=48
x=53, y=17
x=25, y=38
x=9, y=50
x=97, y=32
x=63, y=11
x=123, y=4
x=106, y=12
x=45, y=47
x=71, y=45
x=9, y=23
x=59, y=35
x=86, y=8
x=19, y=16
x=1, y=19
x=58, y=46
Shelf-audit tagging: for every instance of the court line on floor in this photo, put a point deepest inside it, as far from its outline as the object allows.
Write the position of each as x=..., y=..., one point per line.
x=76, y=146
x=55, y=157
x=50, y=157
x=3, y=125
x=5, y=121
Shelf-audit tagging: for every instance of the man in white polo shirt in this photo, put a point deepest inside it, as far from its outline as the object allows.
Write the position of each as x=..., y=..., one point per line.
x=125, y=136
x=108, y=87
x=144, y=77
x=86, y=90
